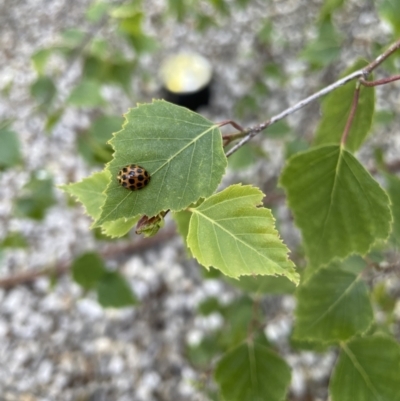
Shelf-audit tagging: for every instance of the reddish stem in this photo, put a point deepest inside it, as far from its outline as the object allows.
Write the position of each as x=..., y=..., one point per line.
x=351, y=115
x=231, y=122
x=382, y=81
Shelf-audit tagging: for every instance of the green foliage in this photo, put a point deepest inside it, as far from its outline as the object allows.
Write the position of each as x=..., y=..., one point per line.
x=367, y=370
x=86, y=94
x=335, y=110
x=14, y=239
x=390, y=11
x=252, y=372
x=182, y=152
x=393, y=188
x=90, y=272
x=43, y=91
x=10, y=154
x=264, y=284
x=333, y=306
x=88, y=269
x=92, y=144
x=328, y=7
x=349, y=210
x=221, y=236
x=325, y=48
x=113, y=291
x=36, y=197
x=89, y=192
x=39, y=60
x=340, y=209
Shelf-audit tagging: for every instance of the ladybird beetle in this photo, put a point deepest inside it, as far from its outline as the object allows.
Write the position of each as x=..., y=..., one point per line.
x=133, y=177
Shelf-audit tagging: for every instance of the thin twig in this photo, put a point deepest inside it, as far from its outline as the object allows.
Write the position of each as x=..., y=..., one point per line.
x=111, y=251
x=253, y=131
x=382, y=81
x=363, y=73
x=352, y=114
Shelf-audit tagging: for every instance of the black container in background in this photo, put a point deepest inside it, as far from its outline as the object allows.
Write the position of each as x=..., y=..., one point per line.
x=186, y=80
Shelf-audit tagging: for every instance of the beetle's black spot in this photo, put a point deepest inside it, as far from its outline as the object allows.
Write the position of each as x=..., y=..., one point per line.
x=132, y=181
x=139, y=170
x=124, y=184
x=140, y=178
x=124, y=169
x=139, y=184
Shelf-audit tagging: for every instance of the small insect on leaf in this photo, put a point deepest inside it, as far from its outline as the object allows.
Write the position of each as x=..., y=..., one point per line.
x=133, y=177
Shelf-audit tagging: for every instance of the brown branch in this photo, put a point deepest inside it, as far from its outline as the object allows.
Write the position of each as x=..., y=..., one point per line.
x=109, y=252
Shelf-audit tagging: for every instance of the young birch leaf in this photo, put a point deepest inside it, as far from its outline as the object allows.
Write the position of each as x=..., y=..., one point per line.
x=367, y=370
x=393, y=188
x=114, y=291
x=252, y=372
x=335, y=111
x=10, y=153
x=333, y=305
x=89, y=192
x=264, y=284
x=182, y=152
x=338, y=206
x=229, y=232
x=88, y=269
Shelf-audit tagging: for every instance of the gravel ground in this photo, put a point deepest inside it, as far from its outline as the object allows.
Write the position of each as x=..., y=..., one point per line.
x=55, y=341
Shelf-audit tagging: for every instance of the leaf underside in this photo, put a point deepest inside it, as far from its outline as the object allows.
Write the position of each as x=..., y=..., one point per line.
x=252, y=372
x=230, y=233
x=338, y=206
x=333, y=305
x=367, y=370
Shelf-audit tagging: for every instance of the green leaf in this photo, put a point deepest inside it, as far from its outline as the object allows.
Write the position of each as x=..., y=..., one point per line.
x=114, y=291
x=93, y=143
x=229, y=232
x=86, y=94
x=242, y=158
x=9, y=148
x=252, y=372
x=325, y=48
x=278, y=130
x=338, y=206
x=118, y=228
x=393, y=188
x=89, y=192
x=264, y=284
x=336, y=108
x=328, y=7
x=97, y=10
x=390, y=11
x=72, y=38
x=332, y=306
x=88, y=269
x=39, y=60
x=181, y=150
x=182, y=220
x=14, y=239
x=43, y=90
x=36, y=196
x=295, y=146
x=178, y=8
x=367, y=370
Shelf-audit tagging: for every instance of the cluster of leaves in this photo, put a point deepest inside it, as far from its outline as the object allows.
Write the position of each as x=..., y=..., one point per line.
x=112, y=290
x=339, y=207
